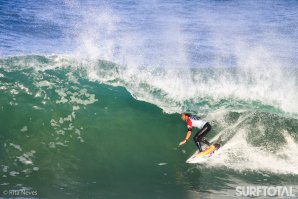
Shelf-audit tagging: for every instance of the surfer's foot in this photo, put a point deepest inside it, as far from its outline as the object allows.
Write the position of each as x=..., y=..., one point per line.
x=206, y=142
x=217, y=146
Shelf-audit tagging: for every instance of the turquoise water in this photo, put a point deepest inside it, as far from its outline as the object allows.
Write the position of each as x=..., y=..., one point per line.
x=65, y=136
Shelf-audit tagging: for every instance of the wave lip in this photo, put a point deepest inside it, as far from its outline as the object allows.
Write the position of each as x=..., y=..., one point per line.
x=199, y=90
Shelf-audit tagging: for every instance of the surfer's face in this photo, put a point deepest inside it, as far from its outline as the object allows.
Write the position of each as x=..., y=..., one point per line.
x=184, y=117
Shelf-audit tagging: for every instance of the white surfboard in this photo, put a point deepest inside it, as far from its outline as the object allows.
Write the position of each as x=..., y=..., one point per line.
x=202, y=157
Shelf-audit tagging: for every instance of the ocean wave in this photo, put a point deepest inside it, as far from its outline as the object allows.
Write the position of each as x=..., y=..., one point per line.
x=271, y=89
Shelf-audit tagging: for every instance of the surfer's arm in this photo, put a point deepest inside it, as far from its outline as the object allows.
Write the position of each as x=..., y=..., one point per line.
x=186, y=138
x=187, y=135
x=189, y=128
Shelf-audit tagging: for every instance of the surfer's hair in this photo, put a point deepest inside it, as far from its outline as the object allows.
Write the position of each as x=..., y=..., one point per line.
x=187, y=114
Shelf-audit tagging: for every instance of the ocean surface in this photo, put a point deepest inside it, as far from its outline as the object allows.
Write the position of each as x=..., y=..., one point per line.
x=91, y=94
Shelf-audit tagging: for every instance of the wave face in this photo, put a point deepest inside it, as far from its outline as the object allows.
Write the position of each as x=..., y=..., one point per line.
x=91, y=95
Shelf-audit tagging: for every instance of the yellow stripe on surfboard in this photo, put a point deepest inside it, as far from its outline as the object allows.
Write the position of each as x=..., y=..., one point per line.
x=208, y=150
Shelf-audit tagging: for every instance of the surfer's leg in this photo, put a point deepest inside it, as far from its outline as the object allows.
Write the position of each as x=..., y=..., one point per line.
x=200, y=136
x=206, y=141
x=195, y=138
x=199, y=146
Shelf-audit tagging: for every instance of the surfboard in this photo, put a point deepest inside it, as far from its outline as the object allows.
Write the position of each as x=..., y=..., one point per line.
x=202, y=157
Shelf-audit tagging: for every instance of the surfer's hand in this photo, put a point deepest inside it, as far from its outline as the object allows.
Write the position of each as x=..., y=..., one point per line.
x=182, y=142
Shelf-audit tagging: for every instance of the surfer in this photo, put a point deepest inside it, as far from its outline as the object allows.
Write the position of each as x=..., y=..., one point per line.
x=203, y=126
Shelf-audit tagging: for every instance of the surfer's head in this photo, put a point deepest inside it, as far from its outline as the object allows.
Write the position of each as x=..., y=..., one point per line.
x=185, y=116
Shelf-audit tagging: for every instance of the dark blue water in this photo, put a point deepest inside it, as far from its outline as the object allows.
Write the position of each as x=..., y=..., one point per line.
x=159, y=33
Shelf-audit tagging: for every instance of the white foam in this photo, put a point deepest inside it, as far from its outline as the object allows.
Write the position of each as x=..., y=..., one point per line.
x=162, y=164
x=73, y=114
x=75, y=108
x=35, y=168
x=26, y=158
x=78, y=132
x=62, y=94
x=24, y=129
x=26, y=171
x=60, y=144
x=24, y=88
x=72, y=78
x=68, y=118
x=70, y=127
x=38, y=94
x=44, y=83
x=17, y=147
x=289, y=150
x=37, y=107
x=52, y=145
x=170, y=88
x=60, y=132
x=81, y=97
x=3, y=88
x=54, y=123
x=80, y=139
x=239, y=155
x=14, y=173
x=5, y=168
x=14, y=92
